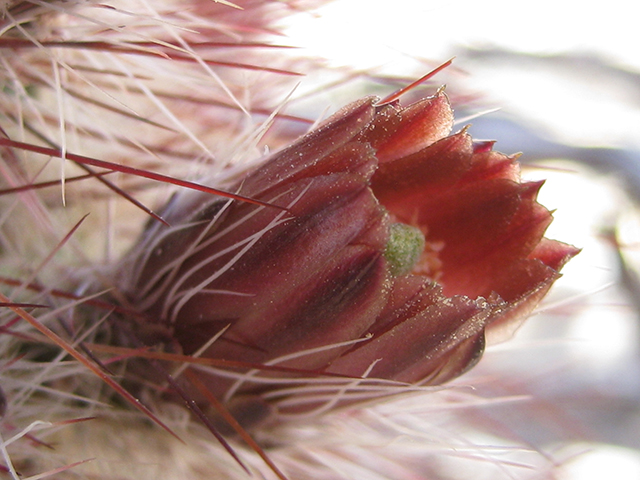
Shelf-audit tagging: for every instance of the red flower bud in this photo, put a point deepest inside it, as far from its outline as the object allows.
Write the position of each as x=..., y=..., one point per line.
x=399, y=246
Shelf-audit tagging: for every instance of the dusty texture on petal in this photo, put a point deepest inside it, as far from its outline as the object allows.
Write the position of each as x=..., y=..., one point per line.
x=396, y=133
x=275, y=283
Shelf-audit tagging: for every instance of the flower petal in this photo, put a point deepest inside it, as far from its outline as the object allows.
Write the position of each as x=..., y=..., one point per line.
x=398, y=132
x=420, y=347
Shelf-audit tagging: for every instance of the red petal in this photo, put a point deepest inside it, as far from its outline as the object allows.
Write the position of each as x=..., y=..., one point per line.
x=403, y=185
x=397, y=133
x=308, y=155
x=419, y=347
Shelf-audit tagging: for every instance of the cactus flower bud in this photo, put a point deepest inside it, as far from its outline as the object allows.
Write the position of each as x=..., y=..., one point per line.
x=397, y=246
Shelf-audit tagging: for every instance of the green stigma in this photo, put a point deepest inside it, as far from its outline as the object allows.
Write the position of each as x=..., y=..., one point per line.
x=403, y=250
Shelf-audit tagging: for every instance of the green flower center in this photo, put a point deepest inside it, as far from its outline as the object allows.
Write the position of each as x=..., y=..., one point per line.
x=404, y=248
